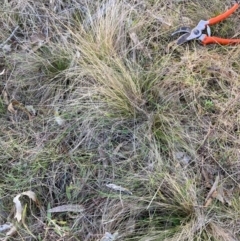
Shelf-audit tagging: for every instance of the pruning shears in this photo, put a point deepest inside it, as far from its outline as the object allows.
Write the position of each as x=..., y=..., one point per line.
x=203, y=25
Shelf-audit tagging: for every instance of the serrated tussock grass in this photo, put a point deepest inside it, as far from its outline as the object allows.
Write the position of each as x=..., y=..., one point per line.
x=117, y=102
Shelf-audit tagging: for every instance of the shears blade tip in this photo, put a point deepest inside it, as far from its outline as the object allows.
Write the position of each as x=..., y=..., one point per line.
x=183, y=38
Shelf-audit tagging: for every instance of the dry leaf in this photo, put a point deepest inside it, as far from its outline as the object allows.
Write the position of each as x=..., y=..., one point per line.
x=38, y=38
x=67, y=208
x=26, y=109
x=2, y=72
x=31, y=195
x=5, y=97
x=37, y=41
x=18, y=205
x=5, y=227
x=213, y=189
x=118, y=188
x=223, y=195
x=10, y=233
x=11, y=109
x=12, y=105
x=219, y=195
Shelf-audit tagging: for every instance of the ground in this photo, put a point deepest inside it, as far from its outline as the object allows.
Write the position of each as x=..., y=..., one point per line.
x=110, y=130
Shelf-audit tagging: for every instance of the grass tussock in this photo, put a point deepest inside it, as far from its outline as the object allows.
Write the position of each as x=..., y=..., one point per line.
x=100, y=108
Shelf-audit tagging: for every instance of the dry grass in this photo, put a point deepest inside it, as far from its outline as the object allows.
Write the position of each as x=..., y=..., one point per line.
x=139, y=112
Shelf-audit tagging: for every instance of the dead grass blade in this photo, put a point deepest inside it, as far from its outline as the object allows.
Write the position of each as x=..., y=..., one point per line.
x=66, y=208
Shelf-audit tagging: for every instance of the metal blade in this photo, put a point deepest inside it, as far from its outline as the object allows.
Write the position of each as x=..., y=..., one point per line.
x=182, y=30
x=183, y=38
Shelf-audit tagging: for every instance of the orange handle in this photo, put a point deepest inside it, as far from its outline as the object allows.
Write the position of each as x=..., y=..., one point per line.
x=224, y=15
x=222, y=41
